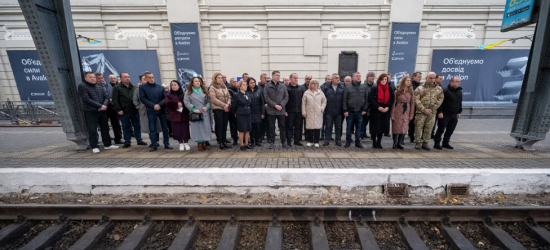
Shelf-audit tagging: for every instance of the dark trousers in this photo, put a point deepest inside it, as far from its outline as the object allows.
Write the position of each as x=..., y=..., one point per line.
x=323, y=130
x=152, y=117
x=313, y=135
x=336, y=121
x=115, y=123
x=282, y=131
x=233, y=126
x=129, y=120
x=354, y=119
x=256, y=132
x=221, y=118
x=93, y=119
x=364, y=124
x=265, y=127
x=447, y=125
x=411, y=127
x=294, y=123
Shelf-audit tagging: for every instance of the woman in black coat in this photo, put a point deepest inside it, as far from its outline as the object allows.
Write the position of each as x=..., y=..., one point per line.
x=258, y=111
x=381, y=99
x=240, y=104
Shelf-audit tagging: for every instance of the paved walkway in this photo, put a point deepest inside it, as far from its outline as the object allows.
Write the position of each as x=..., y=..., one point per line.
x=478, y=144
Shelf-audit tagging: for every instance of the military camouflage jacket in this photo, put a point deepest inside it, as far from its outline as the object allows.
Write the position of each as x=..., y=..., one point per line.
x=428, y=96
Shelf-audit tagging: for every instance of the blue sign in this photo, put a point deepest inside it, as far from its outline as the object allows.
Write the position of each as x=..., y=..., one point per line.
x=32, y=83
x=517, y=13
x=488, y=77
x=403, y=47
x=187, y=50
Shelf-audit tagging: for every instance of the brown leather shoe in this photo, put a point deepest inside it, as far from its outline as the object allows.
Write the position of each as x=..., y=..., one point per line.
x=201, y=146
x=425, y=146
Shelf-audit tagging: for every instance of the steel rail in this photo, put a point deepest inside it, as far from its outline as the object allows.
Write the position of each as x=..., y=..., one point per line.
x=266, y=212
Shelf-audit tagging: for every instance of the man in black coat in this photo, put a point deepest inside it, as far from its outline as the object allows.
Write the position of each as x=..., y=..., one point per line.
x=355, y=106
x=94, y=104
x=294, y=120
x=448, y=113
x=416, y=77
x=369, y=83
x=334, y=92
x=232, y=89
x=123, y=95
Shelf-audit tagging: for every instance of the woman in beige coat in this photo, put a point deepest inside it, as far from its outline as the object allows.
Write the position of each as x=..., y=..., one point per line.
x=221, y=106
x=313, y=106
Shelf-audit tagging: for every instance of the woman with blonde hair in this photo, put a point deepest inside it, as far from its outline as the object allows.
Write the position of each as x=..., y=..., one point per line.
x=314, y=103
x=221, y=106
x=197, y=102
x=402, y=111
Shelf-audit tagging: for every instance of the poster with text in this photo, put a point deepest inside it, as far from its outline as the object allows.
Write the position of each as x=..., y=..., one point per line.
x=488, y=77
x=187, y=51
x=403, y=48
x=32, y=82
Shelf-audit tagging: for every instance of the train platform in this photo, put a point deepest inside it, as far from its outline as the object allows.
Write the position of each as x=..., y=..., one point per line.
x=41, y=160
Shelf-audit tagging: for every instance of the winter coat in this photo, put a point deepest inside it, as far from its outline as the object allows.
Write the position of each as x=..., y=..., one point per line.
x=313, y=106
x=415, y=85
x=379, y=122
x=219, y=96
x=151, y=95
x=428, y=96
x=256, y=104
x=452, y=101
x=335, y=98
x=123, y=99
x=240, y=104
x=401, y=117
x=171, y=102
x=275, y=94
x=93, y=96
x=294, y=103
x=355, y=98
x=200, y=130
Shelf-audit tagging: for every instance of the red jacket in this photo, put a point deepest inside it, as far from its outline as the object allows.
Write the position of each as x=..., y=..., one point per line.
x=171, y=103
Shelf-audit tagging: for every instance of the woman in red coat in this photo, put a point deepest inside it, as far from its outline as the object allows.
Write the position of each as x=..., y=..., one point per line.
x=178, y=115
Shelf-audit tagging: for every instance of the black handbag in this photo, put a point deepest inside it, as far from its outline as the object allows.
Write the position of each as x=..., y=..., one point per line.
x=195, y=117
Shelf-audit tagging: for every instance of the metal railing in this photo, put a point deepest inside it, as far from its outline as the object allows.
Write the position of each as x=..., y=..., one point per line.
x=27, y=112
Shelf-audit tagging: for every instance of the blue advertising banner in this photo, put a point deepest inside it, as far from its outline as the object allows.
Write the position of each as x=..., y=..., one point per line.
x=403, y=47
x=33, y=84
x=517, y=13
x=187, y=50
x=488, y=77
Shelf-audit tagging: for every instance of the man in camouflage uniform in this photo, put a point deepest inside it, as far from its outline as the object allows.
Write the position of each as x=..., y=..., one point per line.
x=428, y=98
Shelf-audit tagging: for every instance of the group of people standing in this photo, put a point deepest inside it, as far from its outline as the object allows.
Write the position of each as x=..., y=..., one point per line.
x=247, y=107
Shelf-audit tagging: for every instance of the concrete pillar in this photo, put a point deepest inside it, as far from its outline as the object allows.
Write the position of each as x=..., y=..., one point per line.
x=184, y=17
x=406, y=11
x=183, y=11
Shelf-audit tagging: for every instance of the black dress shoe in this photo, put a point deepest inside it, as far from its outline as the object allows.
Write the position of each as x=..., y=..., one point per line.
x=298, y=144
x=437, y=146
x=150, y=145
x=222, y=147
x=227, y=146
x=234, y=143
x=142, y=143
x=339, y=143
x=153, y=149
x=447, y=146
x=348, y=144
x=358, y=145
x=126, y=146
x=243, y=148
x=168, y=147
x=248, y=147
x=258, y=144
x=326, y=143
x=229, y=141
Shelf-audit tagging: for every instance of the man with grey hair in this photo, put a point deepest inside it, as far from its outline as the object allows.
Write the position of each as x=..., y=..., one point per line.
x=224, y=79
x=428, y=98
x=347, y=81
x=333, y=115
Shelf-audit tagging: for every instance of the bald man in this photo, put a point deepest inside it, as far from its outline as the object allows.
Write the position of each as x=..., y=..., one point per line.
x=428, y=98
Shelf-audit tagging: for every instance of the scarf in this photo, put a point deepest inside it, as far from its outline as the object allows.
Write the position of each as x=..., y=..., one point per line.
x=197, y=90
x=383, y=93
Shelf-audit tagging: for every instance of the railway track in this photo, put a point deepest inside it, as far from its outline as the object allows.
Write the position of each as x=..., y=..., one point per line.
x=40, y=226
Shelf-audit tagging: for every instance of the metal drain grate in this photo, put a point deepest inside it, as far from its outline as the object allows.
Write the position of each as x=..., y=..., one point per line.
x=396, y=190
x=458, y=190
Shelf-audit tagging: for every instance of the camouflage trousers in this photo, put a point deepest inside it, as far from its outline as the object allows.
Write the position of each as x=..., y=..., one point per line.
x=423, y=125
